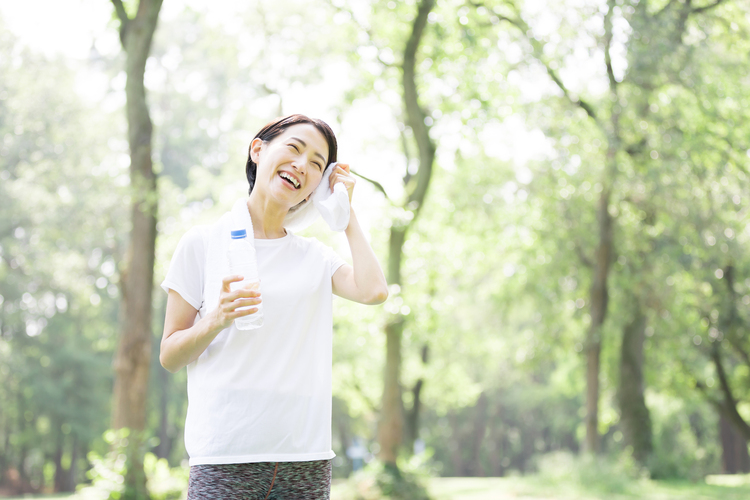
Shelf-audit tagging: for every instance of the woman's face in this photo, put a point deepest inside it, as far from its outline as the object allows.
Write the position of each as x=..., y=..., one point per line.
x=291, y=165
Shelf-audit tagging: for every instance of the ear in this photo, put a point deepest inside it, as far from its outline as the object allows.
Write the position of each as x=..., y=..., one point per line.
x=255, y=148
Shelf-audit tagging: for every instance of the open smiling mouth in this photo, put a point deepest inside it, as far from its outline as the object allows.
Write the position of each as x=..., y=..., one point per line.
x=289, y=179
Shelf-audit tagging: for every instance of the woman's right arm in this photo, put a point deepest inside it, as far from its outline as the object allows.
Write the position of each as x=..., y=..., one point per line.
x=184, y=339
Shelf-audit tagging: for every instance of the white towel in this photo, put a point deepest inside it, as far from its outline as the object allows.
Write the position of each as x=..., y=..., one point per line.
x=334, y=207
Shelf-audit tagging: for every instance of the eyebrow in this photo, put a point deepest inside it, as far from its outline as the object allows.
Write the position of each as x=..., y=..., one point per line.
x=305, y=145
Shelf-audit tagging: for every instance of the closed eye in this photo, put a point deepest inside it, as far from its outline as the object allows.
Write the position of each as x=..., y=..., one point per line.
x=320, y=167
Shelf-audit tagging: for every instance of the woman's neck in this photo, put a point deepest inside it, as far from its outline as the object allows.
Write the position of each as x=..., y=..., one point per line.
x=267, y=216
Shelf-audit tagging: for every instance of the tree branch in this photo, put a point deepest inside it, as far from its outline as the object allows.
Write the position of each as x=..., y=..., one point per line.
x=373, y=407
x=730, y=403
x=698, y=10
x=743, y=353
x=120, y=9
x=608, y=45
x=124, y=19
x=733, y=318
x=573, y=99
x=538, y=51
x=375, y=183
x=415, y=113
x=407, y=154
x=714, y=402
x=366, y=30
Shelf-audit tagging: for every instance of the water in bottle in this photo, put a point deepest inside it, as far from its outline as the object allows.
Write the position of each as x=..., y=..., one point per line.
x=242, y=261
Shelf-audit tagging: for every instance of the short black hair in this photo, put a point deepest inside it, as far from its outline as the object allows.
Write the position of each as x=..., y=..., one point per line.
x=276, y=127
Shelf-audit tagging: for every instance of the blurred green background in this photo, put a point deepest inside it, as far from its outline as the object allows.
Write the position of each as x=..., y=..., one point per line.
x=583, y=237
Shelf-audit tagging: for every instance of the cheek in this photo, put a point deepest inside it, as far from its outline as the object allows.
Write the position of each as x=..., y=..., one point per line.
x=314, y=182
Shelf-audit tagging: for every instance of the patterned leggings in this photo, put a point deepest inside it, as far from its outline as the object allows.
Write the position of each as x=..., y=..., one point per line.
x=261, y=481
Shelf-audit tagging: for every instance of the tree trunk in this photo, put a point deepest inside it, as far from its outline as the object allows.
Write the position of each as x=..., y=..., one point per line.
x=598, y=300
x=391, y=425
x=730, y=323
x=412, y=416
x=23, y=478
x=455, y=445
x=734, y=456
x=59, y=472
x=390, y=429
x=71, y=478
x=5, y=460
x=634, y=415
x=164, y=448
x=728, y=406
x=480, y=429
x=497, y=441
x=133, y=356
x=599, y=293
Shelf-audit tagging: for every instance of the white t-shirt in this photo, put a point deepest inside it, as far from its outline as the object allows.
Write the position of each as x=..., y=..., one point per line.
x=262, y=395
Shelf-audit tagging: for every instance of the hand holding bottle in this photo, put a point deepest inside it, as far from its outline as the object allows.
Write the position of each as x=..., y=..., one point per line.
x=234, y=304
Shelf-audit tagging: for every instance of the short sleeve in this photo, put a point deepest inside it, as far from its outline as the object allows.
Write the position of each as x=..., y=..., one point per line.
x=333, y=259
x=186, y=270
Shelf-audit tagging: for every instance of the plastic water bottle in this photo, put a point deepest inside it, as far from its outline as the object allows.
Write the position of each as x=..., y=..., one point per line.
x=242, y=261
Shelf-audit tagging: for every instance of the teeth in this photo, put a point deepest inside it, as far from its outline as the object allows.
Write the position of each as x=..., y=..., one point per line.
x=290, y=179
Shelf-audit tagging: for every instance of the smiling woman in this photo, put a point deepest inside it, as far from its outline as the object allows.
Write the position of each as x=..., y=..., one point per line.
x=259, y=414
x=278, y=127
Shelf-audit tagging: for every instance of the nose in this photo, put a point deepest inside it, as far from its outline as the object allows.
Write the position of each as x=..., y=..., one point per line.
x=300, y=165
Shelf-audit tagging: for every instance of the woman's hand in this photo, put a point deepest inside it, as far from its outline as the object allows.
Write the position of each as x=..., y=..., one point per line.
x=341, y=173
x=230, y=301
x=184, y=339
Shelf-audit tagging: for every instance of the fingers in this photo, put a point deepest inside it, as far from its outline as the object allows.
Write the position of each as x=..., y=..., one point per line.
x=243, y=312
x=341, y=174
x=239, y=303
x=231, y=302
x=242, y=293
x=232, y=310
x=232, y=278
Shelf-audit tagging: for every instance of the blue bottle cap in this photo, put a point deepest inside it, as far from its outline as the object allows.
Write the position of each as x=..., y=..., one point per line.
x=239, y=234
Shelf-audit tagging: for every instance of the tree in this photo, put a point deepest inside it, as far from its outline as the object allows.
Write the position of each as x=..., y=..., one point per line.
x=390, y=428
x=133, y=356
x=58, y=306
x=616, y=114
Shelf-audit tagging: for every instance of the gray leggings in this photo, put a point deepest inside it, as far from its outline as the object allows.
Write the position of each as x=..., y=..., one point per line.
x=262, y=480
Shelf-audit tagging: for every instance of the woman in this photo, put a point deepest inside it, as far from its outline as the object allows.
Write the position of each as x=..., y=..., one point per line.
x=259, y=414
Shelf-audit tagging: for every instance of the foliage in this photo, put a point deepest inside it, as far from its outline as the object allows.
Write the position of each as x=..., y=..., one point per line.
x=496, y=270
x=57, y=286
x=686, y=443
x=381, y=481
x=108, y=471
x=598, y=474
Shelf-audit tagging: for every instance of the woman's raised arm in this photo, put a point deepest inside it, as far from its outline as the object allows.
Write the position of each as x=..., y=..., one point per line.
x=363, y=281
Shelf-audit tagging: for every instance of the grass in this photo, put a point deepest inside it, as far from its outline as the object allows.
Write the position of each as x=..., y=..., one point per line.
x=540, y=488
x=66, y=496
